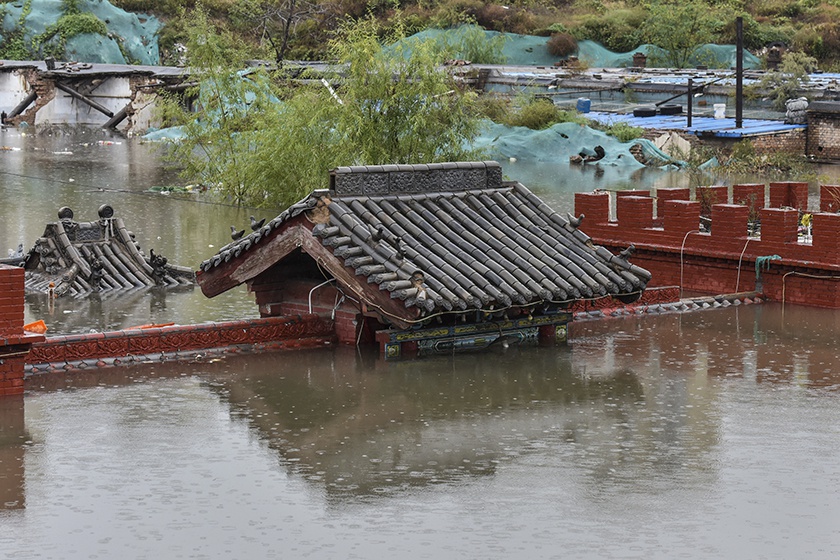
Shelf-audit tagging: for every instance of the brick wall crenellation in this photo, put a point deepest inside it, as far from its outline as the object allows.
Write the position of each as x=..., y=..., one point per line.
x=723, y=260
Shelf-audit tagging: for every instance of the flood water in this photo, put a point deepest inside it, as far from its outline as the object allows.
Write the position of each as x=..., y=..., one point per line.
x=705, y=435
x=710, y=434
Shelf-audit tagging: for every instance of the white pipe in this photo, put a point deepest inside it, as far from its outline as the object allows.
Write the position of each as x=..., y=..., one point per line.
x=315, y=288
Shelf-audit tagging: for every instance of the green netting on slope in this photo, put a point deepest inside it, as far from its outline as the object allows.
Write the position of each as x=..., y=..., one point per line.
x=92, y=47
x=724, y=56
x=516, y=49
x=136, y=33
x=529, y=50
x=713, y=56
x=555, y=144
x=562, y=141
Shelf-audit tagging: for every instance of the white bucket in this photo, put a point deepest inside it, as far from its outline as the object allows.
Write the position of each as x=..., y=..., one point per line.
x=720, y=110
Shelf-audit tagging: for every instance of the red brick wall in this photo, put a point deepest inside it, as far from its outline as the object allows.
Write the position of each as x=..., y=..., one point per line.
x=789, y=193
x=292, y=297
x=830, y=198
x=723, y=261
x=664, y=195
x=11, y=300
x=14, y=342
x=711, y=195
x=749, y=194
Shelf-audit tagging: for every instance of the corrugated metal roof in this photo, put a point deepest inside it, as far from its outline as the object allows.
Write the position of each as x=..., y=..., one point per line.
x=722, y=128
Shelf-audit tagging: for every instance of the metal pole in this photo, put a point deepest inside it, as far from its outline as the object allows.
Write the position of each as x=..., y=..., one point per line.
x=739, y=72
x=689, y=102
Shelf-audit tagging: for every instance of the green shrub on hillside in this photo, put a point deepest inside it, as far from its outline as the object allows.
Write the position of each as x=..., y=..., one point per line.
x=617, y=30
x=623, y=132
x=561, y=44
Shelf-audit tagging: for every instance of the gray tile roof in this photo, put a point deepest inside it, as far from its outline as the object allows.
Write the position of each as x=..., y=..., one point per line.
x=102, y=255
x=454, y=236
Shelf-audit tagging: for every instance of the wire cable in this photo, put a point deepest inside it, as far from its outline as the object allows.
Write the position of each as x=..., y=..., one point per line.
x=91, y=188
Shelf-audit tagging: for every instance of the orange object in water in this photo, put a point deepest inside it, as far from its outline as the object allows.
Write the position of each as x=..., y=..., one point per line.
x=149, y=326
x=37, y=327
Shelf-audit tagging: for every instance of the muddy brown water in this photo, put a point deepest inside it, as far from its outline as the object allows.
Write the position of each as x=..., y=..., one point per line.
x=710, y=434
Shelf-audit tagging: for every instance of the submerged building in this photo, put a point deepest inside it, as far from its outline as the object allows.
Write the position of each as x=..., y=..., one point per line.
x=77, y=258
x=424, y=258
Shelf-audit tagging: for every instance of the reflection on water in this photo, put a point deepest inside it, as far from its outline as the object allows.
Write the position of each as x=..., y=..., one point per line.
x=709, y=434
x=13, y=441
x=368, y=428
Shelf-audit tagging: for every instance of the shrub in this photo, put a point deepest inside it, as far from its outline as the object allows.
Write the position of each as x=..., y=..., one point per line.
x=757, y=35
x=540, y=113
x=561, y=44
x=623, y=132
x=830, y=33
x=551, y=30
x=787, y=81
x=617, y=30
x=474, y=44
x=455, y=13
x=493, y=16
x=493, y=107
x=809, y=40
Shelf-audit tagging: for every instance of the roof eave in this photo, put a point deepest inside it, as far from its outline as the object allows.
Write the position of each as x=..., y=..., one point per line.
x=297, y=234
x=276, y=246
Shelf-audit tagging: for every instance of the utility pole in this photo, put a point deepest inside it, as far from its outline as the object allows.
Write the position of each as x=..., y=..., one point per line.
x=689, y=102
x=739, y=72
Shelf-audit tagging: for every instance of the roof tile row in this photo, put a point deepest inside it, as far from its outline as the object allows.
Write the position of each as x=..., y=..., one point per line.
x=487, y=245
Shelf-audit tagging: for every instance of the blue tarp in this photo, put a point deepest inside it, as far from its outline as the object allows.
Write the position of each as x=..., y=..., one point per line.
x=722, y=128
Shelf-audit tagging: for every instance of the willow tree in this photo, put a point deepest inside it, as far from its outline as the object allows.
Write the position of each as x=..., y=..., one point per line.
x=262, y=139
x=397, y=104
x=680, y=29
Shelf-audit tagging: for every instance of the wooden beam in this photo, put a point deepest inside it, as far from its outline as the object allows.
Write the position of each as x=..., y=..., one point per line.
x=21, y=107
x=392, y=311
x=118, y=117
x=250, y=264
x=269, y=252
x=84, y=99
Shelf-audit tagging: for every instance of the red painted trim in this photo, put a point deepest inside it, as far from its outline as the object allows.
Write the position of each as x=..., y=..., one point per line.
x=181, y=339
